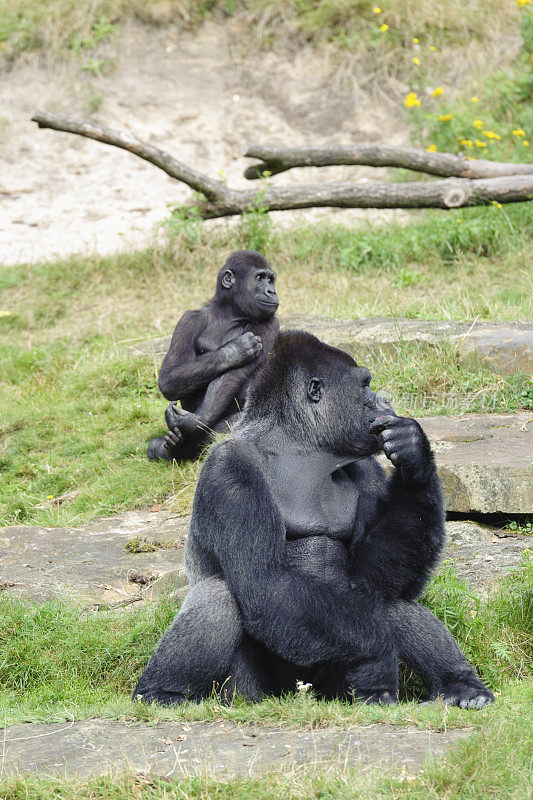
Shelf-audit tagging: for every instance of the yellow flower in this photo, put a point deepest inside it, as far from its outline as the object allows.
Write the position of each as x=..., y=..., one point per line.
x=49, y=496
x=479, y=143
x=384, y=28
x=445, y=117
x=518, y=132
x=474, y=99
x=466, y=143
x=376, y=10
x=495, y=203
x=437, y=92
x=477, y=123
x=415, y=40
x=432, y=148
x=416, y=61
x=411, y=100
x=432, y=48
x=491, y=135
x=525, y=143
x=522, y=3
x=458, y=219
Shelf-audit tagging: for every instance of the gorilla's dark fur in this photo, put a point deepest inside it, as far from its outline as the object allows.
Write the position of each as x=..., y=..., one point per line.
x=213, y=353
x=305, y=559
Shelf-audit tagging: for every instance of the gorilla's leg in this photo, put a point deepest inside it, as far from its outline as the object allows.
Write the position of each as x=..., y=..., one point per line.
x=256, y=673
x=426, y=646
x=198, y=650
x=372, y=680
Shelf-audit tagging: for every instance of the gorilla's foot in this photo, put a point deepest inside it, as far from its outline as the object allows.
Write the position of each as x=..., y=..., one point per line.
x=463, y=694
x=162, y=697
x=157, y=449
x=384, y=698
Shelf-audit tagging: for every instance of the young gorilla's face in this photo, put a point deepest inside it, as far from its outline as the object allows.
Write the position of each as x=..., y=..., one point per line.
x=342, y=404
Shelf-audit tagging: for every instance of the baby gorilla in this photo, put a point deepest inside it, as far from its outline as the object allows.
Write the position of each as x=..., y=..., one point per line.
x=213, y=353
x=305, y=559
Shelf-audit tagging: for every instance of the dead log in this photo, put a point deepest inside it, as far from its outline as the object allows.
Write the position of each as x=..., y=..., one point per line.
x=280, y=159
x=222, y=201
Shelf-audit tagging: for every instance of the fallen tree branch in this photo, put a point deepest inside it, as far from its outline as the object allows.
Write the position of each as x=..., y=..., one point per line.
x=221, y=201
x=279, y=159
x=166, y=162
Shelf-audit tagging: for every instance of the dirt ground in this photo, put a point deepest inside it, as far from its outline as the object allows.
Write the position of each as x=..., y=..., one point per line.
x=200, y=97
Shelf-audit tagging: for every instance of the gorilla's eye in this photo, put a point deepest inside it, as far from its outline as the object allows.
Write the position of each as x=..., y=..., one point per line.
x=314, y=389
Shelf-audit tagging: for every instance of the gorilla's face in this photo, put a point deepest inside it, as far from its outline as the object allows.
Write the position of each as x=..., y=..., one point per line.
x=342, y=405
x=248, y=282
x=258, y=299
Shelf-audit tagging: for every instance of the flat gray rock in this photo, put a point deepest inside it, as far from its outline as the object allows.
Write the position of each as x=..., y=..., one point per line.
x=504, y=347
x=96, y=747
x=480, y=555
x=485, y=461
x=92, y=566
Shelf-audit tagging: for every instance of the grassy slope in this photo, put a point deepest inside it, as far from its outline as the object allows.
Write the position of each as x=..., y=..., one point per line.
x=78, y=409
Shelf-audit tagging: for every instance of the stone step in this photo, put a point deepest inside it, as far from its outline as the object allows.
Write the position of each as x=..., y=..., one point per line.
x=221, y=749
x=485, y=461
x=91, y=564
x=504, y=347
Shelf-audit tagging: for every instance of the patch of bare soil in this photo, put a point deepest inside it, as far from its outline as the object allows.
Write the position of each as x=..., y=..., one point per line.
x=198, y=97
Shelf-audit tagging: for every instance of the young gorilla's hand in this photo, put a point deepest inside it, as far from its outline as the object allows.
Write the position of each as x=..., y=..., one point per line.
x=404, y=442
x=243, y=349
x=173, y=439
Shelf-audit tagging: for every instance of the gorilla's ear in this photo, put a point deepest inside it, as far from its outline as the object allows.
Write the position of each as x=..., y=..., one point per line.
x=228, y=279
x=314, y=389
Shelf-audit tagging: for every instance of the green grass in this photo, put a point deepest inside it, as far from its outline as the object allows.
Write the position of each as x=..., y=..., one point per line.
x=78, y=408
x=102, y=655
x=497, y=124
x=56, y=24
x=494, y=762
x=93, y=672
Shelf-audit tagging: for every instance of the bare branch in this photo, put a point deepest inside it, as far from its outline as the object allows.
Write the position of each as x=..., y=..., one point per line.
x=279, y=159
x=450, y=193
x=196, y=180
x=221, y=201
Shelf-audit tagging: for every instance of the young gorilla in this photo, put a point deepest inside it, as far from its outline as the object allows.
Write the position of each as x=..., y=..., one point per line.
x=213, y=353
x=304, y=558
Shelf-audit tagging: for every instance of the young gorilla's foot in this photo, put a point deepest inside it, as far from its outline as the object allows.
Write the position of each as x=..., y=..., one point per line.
x=463, y=694
x=187, y=423
x=166, y=447
x=157, y=449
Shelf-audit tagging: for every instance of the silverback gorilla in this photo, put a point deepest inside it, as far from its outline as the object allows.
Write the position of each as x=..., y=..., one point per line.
x=305, y=560
x=213, y=353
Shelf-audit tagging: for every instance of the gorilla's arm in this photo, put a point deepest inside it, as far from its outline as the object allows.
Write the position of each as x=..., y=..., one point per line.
x=183, y=371
x=236, y=522
x=401, y=521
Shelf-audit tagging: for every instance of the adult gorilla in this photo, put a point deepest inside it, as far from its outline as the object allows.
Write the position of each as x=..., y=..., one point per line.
x=305, y=559
x=213, y=353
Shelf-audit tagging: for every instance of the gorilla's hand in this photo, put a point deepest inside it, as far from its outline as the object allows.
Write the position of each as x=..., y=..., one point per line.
x=404, y=442
x=173, y=439
x=243, y=349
